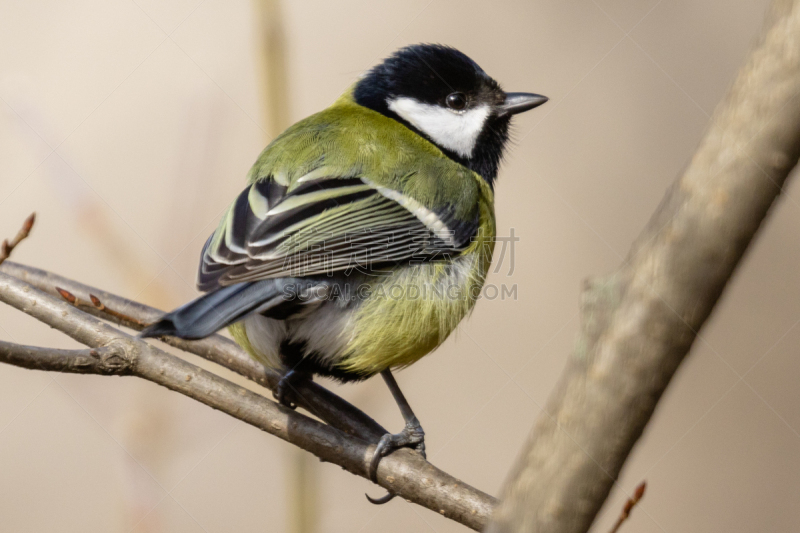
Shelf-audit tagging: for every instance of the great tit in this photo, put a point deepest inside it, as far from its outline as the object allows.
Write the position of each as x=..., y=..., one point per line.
x=366, y=230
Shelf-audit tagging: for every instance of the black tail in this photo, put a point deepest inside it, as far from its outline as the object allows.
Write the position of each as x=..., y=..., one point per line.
x=222, y=307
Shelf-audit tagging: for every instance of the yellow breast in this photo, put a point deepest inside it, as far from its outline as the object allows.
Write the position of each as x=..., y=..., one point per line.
x=413, y=310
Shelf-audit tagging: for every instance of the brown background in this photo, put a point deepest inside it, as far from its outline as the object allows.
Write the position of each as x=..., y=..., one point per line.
x=129, y=126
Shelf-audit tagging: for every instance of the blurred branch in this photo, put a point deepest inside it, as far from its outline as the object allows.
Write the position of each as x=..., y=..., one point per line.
x=300, y=475
x=273, y=65
x=639, y=323
x=404, y=472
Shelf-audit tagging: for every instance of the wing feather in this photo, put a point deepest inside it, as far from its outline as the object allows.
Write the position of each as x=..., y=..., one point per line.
x=323, y=225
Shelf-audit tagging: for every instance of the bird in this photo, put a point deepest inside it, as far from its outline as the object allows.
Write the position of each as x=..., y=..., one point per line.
x=365, y=232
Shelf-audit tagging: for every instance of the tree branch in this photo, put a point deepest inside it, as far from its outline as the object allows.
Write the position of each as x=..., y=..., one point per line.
x=110, y=360
x=639, y=323
x=312, y=397
x=404, y=472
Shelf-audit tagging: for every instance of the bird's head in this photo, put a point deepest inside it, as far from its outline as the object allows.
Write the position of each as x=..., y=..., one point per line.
x=443, y=95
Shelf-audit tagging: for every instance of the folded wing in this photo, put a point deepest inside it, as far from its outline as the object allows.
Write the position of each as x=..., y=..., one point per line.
x=325, y=225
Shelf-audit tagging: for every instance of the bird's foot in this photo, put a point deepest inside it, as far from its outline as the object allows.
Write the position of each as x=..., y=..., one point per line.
x=286, y=387
x=412, y=436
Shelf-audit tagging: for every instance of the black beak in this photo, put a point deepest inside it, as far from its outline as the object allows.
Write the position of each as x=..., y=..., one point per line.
x=519, y=102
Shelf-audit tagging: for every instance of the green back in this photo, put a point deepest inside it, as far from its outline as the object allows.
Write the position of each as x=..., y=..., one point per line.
x=348, y=140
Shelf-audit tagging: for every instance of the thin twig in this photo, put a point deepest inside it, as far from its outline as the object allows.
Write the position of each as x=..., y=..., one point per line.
x=121, y=317
x=104, y=312
x=629, y=505
x=8, y=246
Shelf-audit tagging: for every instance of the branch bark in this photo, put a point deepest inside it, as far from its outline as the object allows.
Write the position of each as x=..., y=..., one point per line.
x=404, y=472
x=639, y=323
x=110, y=360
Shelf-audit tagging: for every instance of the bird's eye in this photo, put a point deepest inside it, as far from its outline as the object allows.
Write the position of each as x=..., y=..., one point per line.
x=457, y=101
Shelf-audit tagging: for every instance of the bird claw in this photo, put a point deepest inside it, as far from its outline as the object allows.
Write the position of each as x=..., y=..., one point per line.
x=412, y=436
x=281, y=392
x=380, y=501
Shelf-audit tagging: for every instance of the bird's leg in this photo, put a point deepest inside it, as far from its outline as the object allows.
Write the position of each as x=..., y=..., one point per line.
x=411, y=436
x=286, y=385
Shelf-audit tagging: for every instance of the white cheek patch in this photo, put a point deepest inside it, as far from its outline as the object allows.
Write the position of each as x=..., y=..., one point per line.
x=455, y=131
